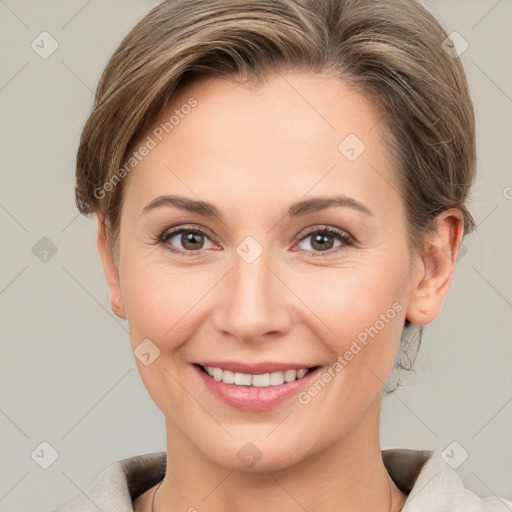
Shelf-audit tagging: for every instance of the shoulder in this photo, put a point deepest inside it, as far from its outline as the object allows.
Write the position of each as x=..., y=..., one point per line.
x=120, y=484
x=433, y=485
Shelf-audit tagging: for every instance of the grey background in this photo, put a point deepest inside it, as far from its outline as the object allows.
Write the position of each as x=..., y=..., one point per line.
x=68, y=376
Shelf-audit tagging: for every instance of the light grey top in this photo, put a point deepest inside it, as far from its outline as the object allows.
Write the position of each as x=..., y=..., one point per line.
x=431, y=484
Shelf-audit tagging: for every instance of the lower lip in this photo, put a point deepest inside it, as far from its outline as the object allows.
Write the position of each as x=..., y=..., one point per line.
x=252, y=398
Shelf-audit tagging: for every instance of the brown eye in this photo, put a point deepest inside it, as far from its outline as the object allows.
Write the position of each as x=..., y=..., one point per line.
x=185, y=240
x=323, y=240
x=192, y=241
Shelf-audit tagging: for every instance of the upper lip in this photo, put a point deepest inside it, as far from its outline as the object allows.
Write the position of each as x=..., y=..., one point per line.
x=254, y=368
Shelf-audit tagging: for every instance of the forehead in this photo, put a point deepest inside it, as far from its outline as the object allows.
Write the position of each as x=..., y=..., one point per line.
x=289, y=107
x=292, y=135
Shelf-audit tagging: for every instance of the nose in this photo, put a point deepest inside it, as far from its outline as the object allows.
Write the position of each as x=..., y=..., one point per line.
x=254, y=303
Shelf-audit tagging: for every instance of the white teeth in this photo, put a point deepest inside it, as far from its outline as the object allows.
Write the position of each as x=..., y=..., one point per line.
x=290, y=375
x=228, y=377
x=276, y=378
x=260, y=381
x=301, y=373
x=243, y=379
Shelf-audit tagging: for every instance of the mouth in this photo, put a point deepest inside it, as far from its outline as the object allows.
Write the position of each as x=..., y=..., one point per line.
x=260, y=380
x=258, y=391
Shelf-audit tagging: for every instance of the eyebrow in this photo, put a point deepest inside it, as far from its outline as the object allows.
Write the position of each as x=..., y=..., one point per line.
x=297, y=209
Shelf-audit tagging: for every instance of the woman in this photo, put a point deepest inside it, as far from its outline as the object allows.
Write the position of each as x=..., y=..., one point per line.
x=280, y=190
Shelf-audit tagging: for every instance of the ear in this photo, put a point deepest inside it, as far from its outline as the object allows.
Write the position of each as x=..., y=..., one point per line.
x=110, y=269
x=426, y=300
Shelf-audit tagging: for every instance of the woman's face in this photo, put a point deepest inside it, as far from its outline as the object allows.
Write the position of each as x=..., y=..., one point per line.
x=277, y=279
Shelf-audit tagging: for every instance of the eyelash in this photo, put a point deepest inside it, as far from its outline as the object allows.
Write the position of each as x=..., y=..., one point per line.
x=341, y=235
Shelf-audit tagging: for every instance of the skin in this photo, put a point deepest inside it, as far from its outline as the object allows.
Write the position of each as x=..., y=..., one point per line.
x=252, y=152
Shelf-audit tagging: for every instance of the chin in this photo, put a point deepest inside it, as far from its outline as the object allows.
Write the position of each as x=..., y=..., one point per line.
x=258, y=456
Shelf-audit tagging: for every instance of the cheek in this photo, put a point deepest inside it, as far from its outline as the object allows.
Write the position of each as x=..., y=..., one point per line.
x=156, y=300
x=359, y=315
x=159, y=303
x=166, y=302
x=353, y=297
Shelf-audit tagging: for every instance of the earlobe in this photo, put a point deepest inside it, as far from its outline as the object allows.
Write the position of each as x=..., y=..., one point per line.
x=427, y=298
x=110, y=269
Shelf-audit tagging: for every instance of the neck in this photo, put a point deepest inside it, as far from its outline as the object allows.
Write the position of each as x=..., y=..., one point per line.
x=345, y=476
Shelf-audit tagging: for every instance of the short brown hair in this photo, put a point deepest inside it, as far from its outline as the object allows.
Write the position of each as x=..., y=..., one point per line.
x=389, y=50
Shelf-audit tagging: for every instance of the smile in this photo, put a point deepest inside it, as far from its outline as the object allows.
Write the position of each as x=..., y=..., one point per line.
x=255, y=387
x=261, y=380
